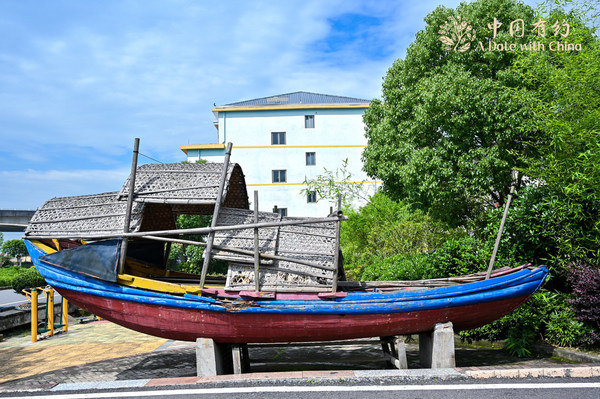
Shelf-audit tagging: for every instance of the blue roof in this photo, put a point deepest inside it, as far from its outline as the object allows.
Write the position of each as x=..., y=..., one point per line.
x=299, y=98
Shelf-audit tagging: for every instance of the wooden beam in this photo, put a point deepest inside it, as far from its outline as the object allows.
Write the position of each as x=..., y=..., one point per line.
x=240, y=251
x=198, y=230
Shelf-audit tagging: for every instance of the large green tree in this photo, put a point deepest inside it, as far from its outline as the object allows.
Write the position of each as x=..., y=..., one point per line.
x=449, y=130
x=567, y=111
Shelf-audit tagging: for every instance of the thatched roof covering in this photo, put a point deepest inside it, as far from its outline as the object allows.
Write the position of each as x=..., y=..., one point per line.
x=187, y=183
x=162, y=192
x=71, y=216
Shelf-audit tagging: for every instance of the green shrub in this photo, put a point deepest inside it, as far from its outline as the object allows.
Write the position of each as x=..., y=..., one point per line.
x=397, y=267
x=387, y=229
x=458, y=257
x=563, y=329
x=546, y=316
x=7, y=274
x=30, y=278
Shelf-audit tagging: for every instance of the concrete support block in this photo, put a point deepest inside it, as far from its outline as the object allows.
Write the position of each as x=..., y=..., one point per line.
x=238, y=359
x=212, y=358
x=436, y=349
x=401, y=354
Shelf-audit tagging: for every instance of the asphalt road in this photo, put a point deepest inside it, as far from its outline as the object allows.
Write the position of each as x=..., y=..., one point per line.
x=476, y=389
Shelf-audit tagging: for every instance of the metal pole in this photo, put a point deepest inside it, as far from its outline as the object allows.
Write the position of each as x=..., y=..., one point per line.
x=499, y=236
x=124, y=245
x=213, y=223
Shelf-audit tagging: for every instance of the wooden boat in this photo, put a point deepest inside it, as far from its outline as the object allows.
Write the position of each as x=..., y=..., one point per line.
x=81, y=247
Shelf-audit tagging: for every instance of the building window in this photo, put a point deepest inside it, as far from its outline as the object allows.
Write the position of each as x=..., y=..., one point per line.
x=278, y=138
x=311, y=197
x=309, y=121
x=279, y=176
x=280, y=211
x=310, y=159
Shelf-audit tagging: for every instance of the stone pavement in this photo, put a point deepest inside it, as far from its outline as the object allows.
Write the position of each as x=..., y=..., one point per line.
x=95, y=354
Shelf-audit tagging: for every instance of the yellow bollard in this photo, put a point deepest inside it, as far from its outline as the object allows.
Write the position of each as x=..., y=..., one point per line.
x=33, y=299
x=34, y=314
x=65, y=314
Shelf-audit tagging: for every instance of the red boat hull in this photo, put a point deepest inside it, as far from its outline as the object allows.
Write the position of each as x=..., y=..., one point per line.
x=187, y=325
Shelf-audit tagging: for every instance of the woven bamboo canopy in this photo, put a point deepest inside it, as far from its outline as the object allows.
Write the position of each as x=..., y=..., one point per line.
x=314, y=244
x=162, y=191
x=295, y=253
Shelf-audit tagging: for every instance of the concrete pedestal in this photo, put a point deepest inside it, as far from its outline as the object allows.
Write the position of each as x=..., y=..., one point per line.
x=436, y=348
x=213, y=358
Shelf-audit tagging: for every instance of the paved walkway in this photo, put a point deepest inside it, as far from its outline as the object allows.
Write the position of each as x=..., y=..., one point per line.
x=97, y=353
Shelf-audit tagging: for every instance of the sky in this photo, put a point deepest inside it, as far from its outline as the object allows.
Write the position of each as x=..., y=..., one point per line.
x=79, y=80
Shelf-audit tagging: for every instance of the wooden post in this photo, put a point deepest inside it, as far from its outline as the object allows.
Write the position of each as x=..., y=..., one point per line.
x=256, y=246
x=274, y=208
x=497, y=244
x=166, y=255
x=336, y=262
x=238, y=359
x=124, y=244
x=213, y=223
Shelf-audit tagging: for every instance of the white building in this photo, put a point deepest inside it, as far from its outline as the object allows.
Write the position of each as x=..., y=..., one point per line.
x=280, y=141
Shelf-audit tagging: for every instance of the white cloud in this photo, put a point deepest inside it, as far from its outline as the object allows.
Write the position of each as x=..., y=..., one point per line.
x=81, y=83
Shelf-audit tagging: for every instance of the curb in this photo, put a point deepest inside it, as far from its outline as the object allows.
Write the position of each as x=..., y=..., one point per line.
x=312, y=377
x=571, y=354
x=579, y=371
x=584, y=371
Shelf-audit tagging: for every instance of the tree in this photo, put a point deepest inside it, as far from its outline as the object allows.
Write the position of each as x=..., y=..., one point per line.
x=14, y=248
x=449, y=131
x=567, y=110
x=335, y=183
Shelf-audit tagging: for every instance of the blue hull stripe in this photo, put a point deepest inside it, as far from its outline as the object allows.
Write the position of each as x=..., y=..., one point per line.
x=518, y=284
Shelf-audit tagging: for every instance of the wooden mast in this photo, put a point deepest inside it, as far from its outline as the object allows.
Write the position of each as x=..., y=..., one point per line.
x=124, y=244
x=499, y=236
x=336, y=261
x=217, y=209
x=256, y=246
